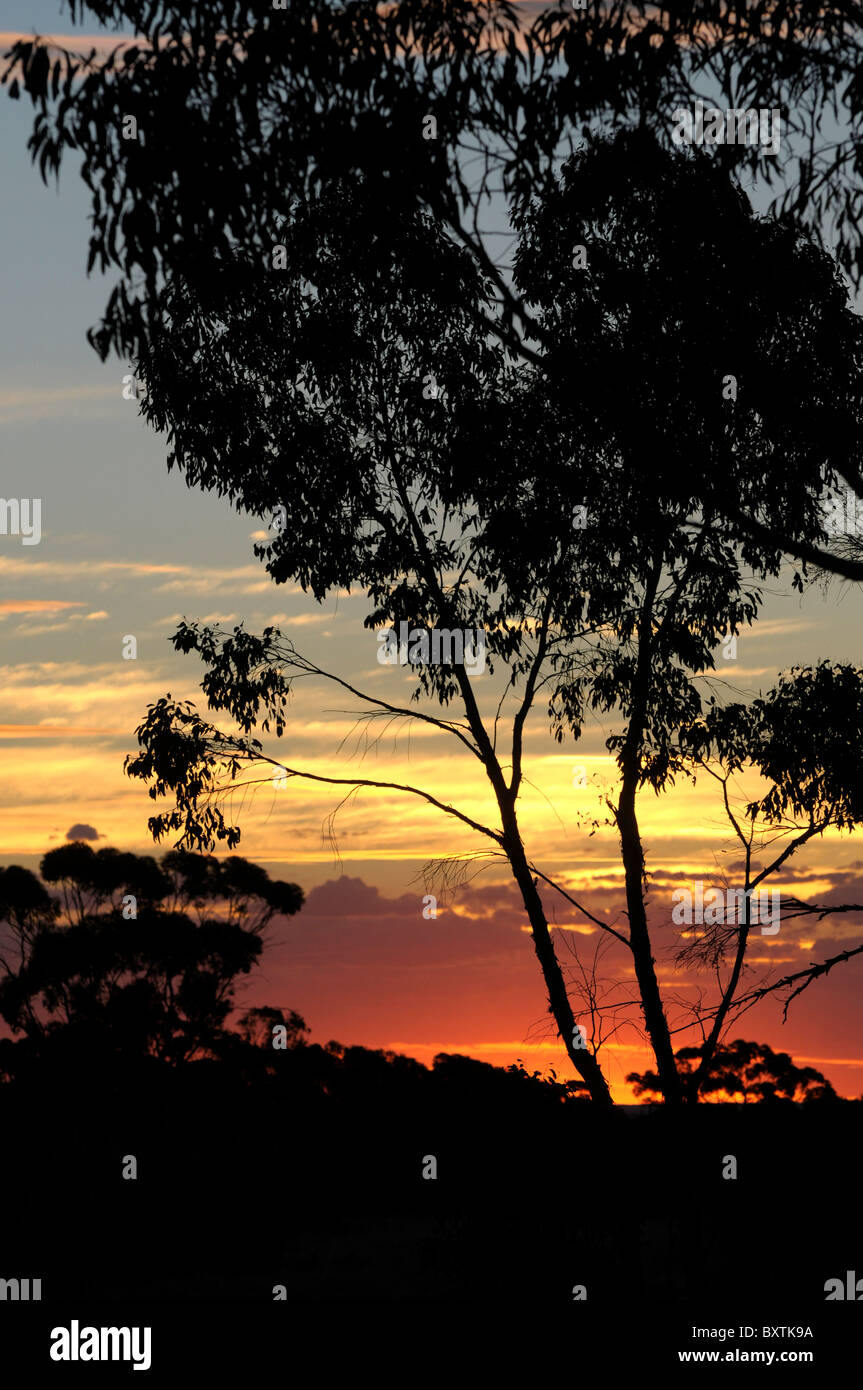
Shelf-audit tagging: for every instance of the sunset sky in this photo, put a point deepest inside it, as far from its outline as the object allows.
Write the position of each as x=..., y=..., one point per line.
x=127, y=549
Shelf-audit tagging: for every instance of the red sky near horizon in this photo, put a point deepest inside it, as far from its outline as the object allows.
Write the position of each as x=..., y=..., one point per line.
x=363, y=967
x=127, y=549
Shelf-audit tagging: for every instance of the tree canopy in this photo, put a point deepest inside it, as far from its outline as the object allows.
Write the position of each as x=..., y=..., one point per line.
x=328, y=340
x=128, y=959
x=369, y=145
x=462, y=508
x=746, y=1071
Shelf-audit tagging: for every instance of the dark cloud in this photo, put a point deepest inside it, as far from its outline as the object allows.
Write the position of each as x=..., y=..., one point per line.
x=366, y=968
x=83, y=832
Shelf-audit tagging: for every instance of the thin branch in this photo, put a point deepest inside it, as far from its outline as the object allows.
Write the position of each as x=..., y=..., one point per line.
x=570, y=899
x=365, y=782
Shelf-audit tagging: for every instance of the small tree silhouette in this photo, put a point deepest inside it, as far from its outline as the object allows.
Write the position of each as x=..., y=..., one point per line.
x=750, y=1071
x=130, y=959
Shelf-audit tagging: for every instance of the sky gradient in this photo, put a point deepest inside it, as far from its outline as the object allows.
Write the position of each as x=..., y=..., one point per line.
x=127, y=549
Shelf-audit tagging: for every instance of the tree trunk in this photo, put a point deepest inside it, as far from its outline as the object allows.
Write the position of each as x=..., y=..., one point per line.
x=708, y=1050
x=639, y=941
x=558, y=1000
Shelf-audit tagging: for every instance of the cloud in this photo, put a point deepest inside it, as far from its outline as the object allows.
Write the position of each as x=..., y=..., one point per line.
x=39, y=403
x=47, y=730
x=115, y=687
x=306, y=620
x=369, y=969
x=204, y=581
x=79, y=831
x=39, y=629
x=38, y=605
x=75, y=43
x=352, y=897
x=81, y=44
x=70, y=569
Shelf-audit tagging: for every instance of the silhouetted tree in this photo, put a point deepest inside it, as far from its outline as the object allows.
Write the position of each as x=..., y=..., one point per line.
x=748, y=1070
x=462, y=511
x=327, y=339
x=276, y=104
x=90, y=880
x=104, y=969
x=256, y=1026
x=406, y=115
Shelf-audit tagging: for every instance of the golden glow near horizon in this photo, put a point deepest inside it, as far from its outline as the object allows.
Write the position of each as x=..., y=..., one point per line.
x=136, y=551
x=72, y=704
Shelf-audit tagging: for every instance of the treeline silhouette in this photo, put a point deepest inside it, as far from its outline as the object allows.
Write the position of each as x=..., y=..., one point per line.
x=267, y=1163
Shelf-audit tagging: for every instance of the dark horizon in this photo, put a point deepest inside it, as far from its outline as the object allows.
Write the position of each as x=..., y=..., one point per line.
x=432, y=544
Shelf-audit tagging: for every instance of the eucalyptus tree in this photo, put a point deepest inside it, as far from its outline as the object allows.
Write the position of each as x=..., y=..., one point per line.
x=310, y=289
x=405, y=452
x=127, y=957
x=212, y=119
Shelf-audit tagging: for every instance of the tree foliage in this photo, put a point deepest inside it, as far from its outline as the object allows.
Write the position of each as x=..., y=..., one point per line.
x=746, y=1071
x=328, y=339
x=129, y=959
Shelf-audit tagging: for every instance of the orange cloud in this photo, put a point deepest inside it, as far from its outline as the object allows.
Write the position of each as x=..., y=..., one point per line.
x=73, y=43
x=47, y=731
x=37, y=605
